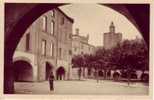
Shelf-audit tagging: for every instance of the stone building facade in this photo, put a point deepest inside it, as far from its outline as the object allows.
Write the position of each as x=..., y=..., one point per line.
x=64, y=47
x=44, y=48
x=111, y=38
x=80, y=46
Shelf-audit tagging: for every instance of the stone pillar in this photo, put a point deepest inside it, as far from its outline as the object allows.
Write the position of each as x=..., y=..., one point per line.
x=8, y=76
x=35, y=72
x=41, y=71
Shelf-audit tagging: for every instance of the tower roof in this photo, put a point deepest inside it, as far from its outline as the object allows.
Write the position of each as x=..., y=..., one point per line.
x=112, y=24
x=112, y=27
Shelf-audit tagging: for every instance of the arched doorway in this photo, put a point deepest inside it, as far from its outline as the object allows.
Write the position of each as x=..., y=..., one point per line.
x=48, y=70
x=60, y=73
x=100, y=73
x=22, y=71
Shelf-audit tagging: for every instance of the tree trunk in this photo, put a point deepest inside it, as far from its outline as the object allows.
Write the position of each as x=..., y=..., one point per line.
x=79, y=73
x=104, y=74
x=84, y=72
x=97, y=76
x=129, y=76
x=128, y=79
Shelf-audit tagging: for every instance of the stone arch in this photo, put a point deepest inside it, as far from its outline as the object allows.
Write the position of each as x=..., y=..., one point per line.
x=30, y=12
x=60, y=73
x=22, y=58
x=23, y=71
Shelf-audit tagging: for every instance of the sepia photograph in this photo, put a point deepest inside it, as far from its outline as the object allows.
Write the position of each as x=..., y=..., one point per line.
x=76, y=49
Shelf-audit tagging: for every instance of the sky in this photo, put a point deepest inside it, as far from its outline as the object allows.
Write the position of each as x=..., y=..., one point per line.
x=94, y=19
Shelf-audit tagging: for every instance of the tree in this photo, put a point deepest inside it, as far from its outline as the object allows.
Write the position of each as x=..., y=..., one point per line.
x=78, y=62
x=130, y=55
x=103, y=59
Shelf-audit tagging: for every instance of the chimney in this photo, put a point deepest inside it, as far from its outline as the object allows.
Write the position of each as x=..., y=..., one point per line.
x=88, y=36
x=77, y=31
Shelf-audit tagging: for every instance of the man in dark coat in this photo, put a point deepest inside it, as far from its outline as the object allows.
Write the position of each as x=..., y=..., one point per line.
x=51, y=80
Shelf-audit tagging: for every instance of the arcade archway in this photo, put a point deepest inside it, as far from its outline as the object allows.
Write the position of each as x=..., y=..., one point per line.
x=60, y=73
x=22, y=71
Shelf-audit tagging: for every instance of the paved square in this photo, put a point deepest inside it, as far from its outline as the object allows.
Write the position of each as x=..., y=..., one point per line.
x=82, y=87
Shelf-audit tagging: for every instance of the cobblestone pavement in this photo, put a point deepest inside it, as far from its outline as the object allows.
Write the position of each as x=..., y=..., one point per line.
x=81, y=87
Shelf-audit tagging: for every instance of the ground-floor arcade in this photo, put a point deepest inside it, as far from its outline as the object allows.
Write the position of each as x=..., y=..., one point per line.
x=30, y=67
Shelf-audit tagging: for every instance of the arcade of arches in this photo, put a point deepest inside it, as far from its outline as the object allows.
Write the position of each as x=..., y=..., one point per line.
x=23, y=71
x=18, y=19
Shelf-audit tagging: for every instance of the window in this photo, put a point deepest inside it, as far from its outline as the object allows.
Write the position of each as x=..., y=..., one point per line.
x=81, y=46
x=27, y=42
x=82, y=53
x=60, y=53
x=51, y=49
x=75, y=49
x=65, y=37
x=44, y=23
x=62, y=20
x=70, y=36
x=43, y=45
x=52, y=27
x=52, y=13
x=70, y=52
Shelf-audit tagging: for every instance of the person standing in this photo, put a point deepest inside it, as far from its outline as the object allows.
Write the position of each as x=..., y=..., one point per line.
x=79, y=73
x=51, y=81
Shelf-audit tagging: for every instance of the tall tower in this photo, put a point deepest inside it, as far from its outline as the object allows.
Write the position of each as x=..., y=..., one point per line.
x=111, y=38
x=112, y=28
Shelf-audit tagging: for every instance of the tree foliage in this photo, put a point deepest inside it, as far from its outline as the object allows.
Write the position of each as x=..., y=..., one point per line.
x=129, y=54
